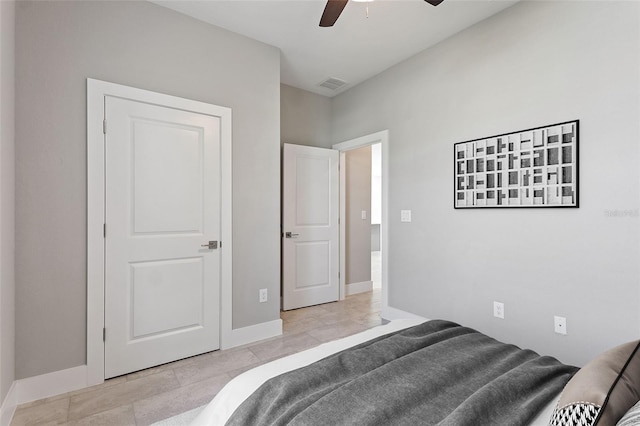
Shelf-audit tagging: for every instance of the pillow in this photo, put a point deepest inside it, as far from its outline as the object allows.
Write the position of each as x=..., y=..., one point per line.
x=632, y=418
x=602, y=391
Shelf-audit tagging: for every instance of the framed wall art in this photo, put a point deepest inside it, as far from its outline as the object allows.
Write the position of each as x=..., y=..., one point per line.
x=528, y=168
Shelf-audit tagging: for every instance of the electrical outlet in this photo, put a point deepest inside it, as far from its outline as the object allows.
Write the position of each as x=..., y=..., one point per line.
x=405, y=215
x=363, y=214
x=263, y=295
x=560, y=325
x=498, y=310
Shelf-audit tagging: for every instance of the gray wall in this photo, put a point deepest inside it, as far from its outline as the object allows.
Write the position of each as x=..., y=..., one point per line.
x=7, y=199
x=536, y=63
x=358, y=231
x=59, y=45
x=305, y=117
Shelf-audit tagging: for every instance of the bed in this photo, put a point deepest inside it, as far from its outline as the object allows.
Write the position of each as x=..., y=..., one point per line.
x=428, y=372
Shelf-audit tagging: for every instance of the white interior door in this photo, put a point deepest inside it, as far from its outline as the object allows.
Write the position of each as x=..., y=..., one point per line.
x=310, y=226
x=162, y=287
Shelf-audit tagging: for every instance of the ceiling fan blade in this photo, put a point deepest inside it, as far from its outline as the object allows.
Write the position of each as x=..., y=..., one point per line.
x=434, y=2
x=332, y=11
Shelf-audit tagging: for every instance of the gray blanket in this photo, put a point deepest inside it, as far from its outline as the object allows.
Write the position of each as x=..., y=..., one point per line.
x=436, y=373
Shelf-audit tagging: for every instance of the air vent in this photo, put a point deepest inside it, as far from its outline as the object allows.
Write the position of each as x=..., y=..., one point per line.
x=332, y=83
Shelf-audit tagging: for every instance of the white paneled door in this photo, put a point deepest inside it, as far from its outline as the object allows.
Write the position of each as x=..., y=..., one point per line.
x=162, y=278
x=310, y=238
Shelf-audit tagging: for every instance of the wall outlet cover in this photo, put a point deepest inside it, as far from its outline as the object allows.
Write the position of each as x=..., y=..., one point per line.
x=560, y=325
x=498, y=310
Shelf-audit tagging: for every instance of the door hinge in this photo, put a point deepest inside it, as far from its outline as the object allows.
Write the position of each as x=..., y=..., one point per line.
x=104, y=230
x=104, y=334
x=104, y=126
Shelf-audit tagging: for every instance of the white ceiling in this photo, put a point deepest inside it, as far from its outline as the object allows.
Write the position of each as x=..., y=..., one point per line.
x=355, y=48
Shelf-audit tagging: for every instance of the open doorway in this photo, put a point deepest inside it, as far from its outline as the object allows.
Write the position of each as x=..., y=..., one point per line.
x=380, y=141
x=362, y=213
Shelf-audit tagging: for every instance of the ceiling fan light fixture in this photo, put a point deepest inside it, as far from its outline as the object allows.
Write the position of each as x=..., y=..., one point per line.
x=367, y=5
x=334, y=8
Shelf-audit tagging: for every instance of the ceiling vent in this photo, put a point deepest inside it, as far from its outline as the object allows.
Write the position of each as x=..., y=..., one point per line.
x=332, y=83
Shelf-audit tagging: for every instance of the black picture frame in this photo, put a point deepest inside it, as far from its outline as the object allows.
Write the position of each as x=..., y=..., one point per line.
x=531, y=168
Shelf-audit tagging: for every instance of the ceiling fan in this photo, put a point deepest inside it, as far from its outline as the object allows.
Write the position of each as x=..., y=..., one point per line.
x=334, y=8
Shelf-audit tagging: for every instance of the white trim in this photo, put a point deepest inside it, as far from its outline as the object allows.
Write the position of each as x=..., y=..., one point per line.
x=95, y=221
x=253, y=333
x=342, y=246
x=226, y=227
x=361, y=287
x=96, y=92
x=42, y=386
x=381, y=137
x=374, y=138
x=8, y=407
x=51, y=384
x=391, y=314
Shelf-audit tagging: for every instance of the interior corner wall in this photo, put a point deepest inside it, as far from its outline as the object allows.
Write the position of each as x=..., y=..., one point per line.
x=358, y=230
x=59, y=45
x=305, y=117
x=535, y=63
x=7, y=197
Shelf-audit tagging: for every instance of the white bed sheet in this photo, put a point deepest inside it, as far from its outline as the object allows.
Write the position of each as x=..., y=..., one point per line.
x=218, y=411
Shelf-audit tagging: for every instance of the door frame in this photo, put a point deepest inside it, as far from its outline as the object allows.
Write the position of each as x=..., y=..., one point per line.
x=96, y=92
x=381, y=137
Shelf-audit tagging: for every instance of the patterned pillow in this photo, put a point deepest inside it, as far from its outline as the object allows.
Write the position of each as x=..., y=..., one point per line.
x=602, y=391
x=578, y=414
x=632, y=418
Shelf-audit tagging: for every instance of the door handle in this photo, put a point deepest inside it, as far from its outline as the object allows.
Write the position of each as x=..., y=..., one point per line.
x=291, y=235
x=211, y=245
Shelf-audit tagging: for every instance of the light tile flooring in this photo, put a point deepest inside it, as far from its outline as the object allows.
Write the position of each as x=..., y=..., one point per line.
x=154, y=394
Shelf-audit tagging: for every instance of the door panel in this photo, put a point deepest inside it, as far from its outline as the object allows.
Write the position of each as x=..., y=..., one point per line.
x=175, y=286
x=162, y=204
x=310, y=217
x=313, y=190
x=167, y=201
x=312, y=259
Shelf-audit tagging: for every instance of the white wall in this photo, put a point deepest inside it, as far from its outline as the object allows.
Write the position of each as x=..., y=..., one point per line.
x=7, y=199
x=358, y=230
x=534, y=64
x=305, y=117
x=58, y=45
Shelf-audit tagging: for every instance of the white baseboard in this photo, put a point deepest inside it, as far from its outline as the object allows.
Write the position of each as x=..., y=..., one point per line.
x=361, y=287
x=71, y=379
x=253, y=333
x=391, y=314
x=50, y=384
x=8, y=407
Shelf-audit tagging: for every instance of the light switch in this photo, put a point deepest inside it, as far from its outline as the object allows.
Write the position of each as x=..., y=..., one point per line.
x=405, y=215
x=364, y=214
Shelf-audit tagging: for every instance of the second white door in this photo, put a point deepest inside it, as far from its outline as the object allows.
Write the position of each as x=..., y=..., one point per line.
x=162, y=287
x=310, y=242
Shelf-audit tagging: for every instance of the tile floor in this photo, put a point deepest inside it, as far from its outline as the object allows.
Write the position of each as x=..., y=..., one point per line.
x=157, y=393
